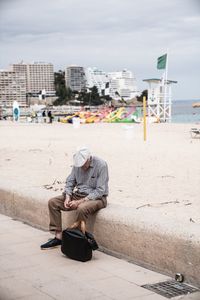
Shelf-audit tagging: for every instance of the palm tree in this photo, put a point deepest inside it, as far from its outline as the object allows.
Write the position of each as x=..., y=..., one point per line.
x=121, y=98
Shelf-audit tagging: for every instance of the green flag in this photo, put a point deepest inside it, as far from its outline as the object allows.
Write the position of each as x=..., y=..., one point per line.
x=161, y=62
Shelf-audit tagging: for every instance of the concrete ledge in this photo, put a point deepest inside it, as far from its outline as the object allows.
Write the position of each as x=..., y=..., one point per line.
x=124, y=232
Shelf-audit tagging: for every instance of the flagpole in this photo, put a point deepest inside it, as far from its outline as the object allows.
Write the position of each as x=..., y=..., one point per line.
x=166, y=70
x=165, y=85
x=144, y=119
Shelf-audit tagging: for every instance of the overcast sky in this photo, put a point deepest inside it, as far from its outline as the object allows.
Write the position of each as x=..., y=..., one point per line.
x=108, y=34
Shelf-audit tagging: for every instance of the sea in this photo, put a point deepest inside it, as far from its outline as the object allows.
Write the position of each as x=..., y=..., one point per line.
x=183, y=112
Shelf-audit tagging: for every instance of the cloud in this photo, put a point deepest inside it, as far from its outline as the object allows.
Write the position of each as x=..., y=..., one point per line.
x=109, y=34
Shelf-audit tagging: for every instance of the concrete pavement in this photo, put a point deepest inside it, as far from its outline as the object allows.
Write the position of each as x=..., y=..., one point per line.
x=28, y=273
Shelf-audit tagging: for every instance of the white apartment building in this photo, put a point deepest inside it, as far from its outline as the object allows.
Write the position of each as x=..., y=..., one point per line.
x=75, y=78
x=122, y=84
x=12, y=88
x=39, y=77
x=99, y=79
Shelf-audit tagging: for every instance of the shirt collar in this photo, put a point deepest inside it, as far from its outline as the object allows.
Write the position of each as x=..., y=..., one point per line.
x=91, y=162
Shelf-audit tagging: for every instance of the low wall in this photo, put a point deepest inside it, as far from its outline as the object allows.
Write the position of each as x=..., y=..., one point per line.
x=124, y=232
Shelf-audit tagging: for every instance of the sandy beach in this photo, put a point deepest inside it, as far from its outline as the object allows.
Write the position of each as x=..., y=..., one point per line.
x=160, y=176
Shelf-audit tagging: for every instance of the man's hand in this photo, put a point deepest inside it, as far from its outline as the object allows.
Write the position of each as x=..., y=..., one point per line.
x=85, y=199
x=67, y=201
x=75, y=203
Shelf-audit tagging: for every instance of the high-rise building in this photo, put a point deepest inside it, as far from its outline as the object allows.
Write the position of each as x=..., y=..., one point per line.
x=12, y=88
x=75, y=78
x=39, y=77
x=99, y=79
x=122, y=84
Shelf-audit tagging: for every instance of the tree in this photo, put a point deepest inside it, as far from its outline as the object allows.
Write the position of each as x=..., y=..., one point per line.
x=90, y=98
x=106, y=98
x=144, y=94
x=63, y=93
x=95, y=98
x=121, y=98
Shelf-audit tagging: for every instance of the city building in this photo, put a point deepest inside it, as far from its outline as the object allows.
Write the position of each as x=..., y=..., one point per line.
x=12, y=88
x=39, y=77
x=99, y=79
x=75, y=78
x=122, y=85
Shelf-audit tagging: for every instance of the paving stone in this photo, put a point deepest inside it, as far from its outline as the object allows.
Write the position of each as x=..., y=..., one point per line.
x=4, y=249
x=13, y=288
x=86, y=273
x=37, y=276
x=139, y=275
x=117, y=288
x=11, y=262
x=37, y=296
x=194, y=296
x=69, y=289
x=150, y=297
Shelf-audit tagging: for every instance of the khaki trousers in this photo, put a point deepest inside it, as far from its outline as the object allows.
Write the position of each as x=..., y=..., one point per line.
x=56, y=205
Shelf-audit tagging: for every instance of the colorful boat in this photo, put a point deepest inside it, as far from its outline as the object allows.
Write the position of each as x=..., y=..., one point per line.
x=108, y=115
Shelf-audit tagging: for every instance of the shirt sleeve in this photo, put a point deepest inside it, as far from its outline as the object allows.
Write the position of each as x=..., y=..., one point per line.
x=70, y=183
x=102, y=183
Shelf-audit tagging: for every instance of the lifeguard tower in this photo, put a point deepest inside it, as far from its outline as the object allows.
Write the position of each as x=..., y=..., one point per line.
x=159, y=100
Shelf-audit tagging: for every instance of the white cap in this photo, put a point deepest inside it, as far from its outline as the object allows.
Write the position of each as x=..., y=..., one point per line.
x=81, y=156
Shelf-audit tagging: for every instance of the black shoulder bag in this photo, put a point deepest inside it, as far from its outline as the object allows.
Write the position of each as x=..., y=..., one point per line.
x=77, y=245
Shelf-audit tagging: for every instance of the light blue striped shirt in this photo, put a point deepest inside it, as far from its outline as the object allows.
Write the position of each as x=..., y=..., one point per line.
x=93, y=182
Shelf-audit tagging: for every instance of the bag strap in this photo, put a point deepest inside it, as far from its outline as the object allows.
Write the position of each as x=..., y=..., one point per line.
x=91, y=240
x=79, y=224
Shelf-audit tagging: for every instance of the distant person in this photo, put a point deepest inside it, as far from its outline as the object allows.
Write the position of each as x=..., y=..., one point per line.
x=44, y=116
x=50, y=116
x=44, y=113
x=86, y=191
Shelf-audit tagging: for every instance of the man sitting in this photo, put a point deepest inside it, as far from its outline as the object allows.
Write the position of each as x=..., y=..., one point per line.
x=86, y=191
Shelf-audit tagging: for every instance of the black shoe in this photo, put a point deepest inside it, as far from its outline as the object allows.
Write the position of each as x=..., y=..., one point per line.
x=51, y=244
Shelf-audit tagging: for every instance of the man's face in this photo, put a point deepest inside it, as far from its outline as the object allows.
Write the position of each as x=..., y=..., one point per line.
x=86, y=165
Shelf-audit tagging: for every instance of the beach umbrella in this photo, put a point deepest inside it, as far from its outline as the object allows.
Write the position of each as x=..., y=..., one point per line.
x=197, y=104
